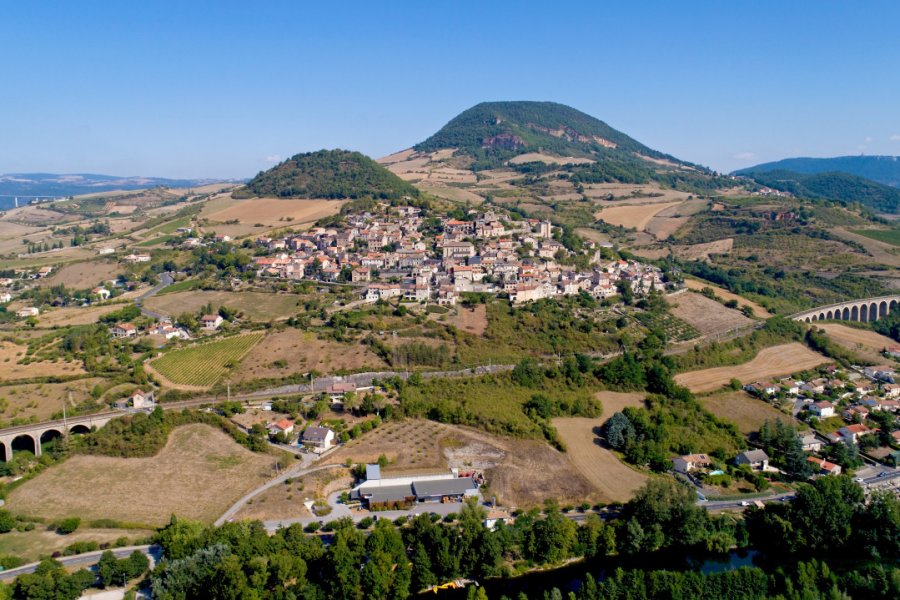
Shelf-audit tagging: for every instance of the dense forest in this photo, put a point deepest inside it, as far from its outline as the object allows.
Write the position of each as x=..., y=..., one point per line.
x=841, y=187
x=331, y=174
x=517, y=127
x=883, y=169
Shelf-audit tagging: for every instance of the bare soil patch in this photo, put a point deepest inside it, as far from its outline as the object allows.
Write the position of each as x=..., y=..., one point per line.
x=10, y=369
x=199, y=474
x=286, y=501
x=770, y=362
x=864, y=342
x=742, y=409
x=703, y=251
x=83, y=275
x=471, y=320
x=708, y=316
x=696, y=284
x=303, y=352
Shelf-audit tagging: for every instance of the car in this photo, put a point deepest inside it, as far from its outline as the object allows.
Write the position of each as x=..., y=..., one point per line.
x=858, y=479
x=883, y=474
x=745, y=503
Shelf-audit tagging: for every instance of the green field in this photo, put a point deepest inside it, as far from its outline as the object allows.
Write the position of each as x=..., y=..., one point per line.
x=185, y=285
x=204, y=364
x=888, y=236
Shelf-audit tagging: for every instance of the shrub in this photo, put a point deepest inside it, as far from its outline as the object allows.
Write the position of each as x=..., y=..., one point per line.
x=67, y=526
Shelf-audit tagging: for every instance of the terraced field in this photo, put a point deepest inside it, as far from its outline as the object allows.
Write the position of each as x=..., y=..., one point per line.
x=204, y=364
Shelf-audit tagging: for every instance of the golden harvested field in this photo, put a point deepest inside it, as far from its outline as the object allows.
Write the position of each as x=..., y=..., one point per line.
x=256, y=306
x=696, y=284
x=10, y=370
x=83, y=275
x=451, y=193
x=42, y=400
x=592, y=235
x=286, y=501
x=742, y=409
x=31, y=545
x=707, y=316
x=632, y=215
x=303, y=352
x=198, y=475
x=76, y=315
x=770, y=362
x=703, y=251
x=269, y=212
x=864, y=342
x=615, y=480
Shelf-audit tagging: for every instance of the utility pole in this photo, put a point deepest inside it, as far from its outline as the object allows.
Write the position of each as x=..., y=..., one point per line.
x=65, y=420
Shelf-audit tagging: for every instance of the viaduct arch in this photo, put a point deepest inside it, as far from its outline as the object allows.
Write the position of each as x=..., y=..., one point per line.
x=30, y=437
x=864, y=311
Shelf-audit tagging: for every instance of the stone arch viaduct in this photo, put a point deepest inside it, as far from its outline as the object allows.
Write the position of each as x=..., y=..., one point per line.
x=30, y=437
x=865, y=310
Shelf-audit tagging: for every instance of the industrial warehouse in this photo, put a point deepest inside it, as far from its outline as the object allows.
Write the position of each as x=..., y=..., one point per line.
x=379, y=493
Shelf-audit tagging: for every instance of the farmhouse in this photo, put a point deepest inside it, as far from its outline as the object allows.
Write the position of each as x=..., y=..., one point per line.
x=691, y=462
x=27, y=311
x=123, y=330
x=756, y=459
x=139, y=399
x=101, y=292
x=137, y=258
x=5, y=297
x=211, y=322
x=319, y=439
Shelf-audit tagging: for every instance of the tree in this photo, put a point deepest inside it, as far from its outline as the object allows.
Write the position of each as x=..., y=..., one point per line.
x=7, y=522
x=619, y=431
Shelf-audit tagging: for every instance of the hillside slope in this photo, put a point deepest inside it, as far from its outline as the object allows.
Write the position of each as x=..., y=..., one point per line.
x=492, y=132
x=841, y=187
x=882, y=169
x=332, y=174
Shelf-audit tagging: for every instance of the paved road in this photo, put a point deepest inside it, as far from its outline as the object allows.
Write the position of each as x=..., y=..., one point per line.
x=296, y=471
x=165, y=280
x=88, y=559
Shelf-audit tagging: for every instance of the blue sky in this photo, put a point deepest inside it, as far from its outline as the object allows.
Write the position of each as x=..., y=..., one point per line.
x=223, y=89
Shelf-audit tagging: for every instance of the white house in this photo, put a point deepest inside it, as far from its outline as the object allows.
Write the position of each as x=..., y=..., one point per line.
x=691, y=462
x=823, y=409
x=28, y=311
x=124, y=330
x=756, y=459
x=319, y=439
x=211, y=322
x=101, y=292
x=5, y=297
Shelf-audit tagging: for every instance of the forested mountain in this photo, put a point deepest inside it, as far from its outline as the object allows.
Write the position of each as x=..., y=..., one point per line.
x=333, y=174
x=493, y=132
x=841, y=187
x=883, y=169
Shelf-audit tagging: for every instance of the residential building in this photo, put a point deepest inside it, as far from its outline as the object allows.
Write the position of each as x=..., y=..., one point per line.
x=757, y=460
x=318, y=438
x=211, y=322
x=691, y=462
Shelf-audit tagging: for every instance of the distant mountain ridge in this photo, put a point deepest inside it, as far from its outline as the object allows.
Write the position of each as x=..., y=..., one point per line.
x=25, y=186
x=841, y=187
x=883, y=169
x=502, y=130
x=330, y=174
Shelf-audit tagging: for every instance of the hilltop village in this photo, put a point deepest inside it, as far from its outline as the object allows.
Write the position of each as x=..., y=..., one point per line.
x=403, y=254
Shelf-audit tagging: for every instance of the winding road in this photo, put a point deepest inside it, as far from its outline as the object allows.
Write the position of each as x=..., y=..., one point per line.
x=165, y=280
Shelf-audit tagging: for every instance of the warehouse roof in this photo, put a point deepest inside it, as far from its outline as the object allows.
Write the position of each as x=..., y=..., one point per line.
x=444, y=487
